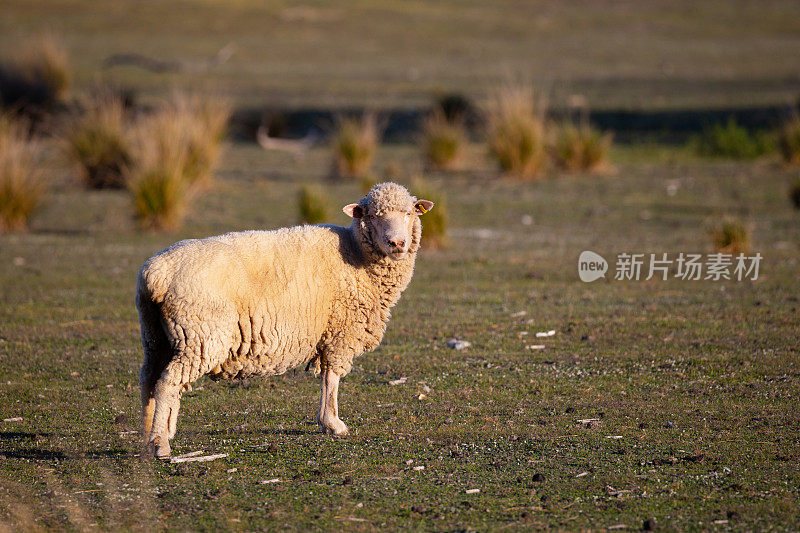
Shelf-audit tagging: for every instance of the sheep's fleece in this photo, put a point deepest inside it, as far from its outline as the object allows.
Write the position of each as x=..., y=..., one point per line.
x=258, y=303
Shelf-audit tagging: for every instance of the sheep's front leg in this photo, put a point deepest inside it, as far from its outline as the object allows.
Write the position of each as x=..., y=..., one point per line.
x=328, y=415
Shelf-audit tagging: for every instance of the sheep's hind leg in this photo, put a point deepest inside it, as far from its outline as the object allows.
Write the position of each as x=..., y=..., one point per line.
x=328, y=415
x=167, y=396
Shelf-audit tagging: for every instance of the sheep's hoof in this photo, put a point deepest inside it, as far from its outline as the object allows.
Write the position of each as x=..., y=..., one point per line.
x=159, y=448
x=336, y=428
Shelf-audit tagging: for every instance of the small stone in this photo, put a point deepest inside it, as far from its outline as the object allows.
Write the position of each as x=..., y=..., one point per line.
x=271, y=481
x=418, y=468
x=232, y=470
x=472, y=491
x=535, y=346
x=458, y=344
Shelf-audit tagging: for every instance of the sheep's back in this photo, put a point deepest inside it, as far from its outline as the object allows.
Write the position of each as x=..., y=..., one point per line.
x=265, y=297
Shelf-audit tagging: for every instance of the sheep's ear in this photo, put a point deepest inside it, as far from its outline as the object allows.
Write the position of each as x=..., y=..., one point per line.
x=423, y=206
x=353, y=210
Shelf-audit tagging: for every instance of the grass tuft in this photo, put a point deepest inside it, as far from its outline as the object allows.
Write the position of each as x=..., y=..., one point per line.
x=434, y=222
x=517, y=131
x=39, y=77
x=730, y=140
x=354, y=145
x=158, y=186
x=191, y=127
x=789, y=141
x=731, y=236
x=582, y=148
x=99, y=142
x=443, y=141
x=313, y=205
x=20, y=189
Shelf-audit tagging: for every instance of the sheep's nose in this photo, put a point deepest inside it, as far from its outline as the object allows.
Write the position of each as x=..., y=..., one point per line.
x=397, y=243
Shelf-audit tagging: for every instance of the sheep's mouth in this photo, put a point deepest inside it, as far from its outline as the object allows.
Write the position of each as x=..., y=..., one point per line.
x=396, y=253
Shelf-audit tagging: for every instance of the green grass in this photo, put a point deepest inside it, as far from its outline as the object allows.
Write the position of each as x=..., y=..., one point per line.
x=700, y=379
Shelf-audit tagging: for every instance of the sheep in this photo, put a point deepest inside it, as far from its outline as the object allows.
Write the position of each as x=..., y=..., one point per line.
x=258, y=303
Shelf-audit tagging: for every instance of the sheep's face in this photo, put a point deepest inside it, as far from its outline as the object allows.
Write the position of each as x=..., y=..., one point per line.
x=391, y=230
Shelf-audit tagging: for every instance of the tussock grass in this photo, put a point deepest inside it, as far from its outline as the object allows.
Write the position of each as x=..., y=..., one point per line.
x=443, y=141
x=313, y=205
x=789, y=141
x=99, y=142
x=354, y=144
x=177, y=150
x=157, y=183
x=517, y=131
x=39, y=76
x=580, y=147
x=434, y=222
x=190, y=127
x=731, y=236
x=730, y=140
x=21, y=189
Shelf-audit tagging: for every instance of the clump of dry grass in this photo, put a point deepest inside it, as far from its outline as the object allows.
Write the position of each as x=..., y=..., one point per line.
x=157, y=183
x=313, y=205
x=354, y=145
x=517, y=131
x=177, y=150
x=21, y=190
x=789, y=141
x=434, y=222
x=582, y=148
x=443, y=141
x=40, y=76
x=731, y=236
x=100, y=143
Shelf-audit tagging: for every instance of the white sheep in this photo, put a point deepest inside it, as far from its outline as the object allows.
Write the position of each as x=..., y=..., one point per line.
x=258, y=303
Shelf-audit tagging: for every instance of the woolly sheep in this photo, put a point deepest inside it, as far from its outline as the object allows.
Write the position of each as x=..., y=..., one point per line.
x=258, y=303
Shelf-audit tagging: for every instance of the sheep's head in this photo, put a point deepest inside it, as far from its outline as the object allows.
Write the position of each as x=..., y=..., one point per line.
x=388, y=216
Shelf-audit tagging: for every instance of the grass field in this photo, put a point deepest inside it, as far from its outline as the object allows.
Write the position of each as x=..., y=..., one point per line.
x=694, y=385
x=617, y=54
x=667, y=405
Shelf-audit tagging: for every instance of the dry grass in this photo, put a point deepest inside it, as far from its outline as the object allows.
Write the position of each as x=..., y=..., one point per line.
x=443, y=141
x=20, y=188
x=177, y=150
x=45, y=60
x=731, y=236
x=193, y=125
x=435, y=221
x=39, y=76
x=582, y=148
x=313, y=205
x=354, y=145
x=517, y=131
x=789, y=141
x=157, y=183
x=99, y=142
